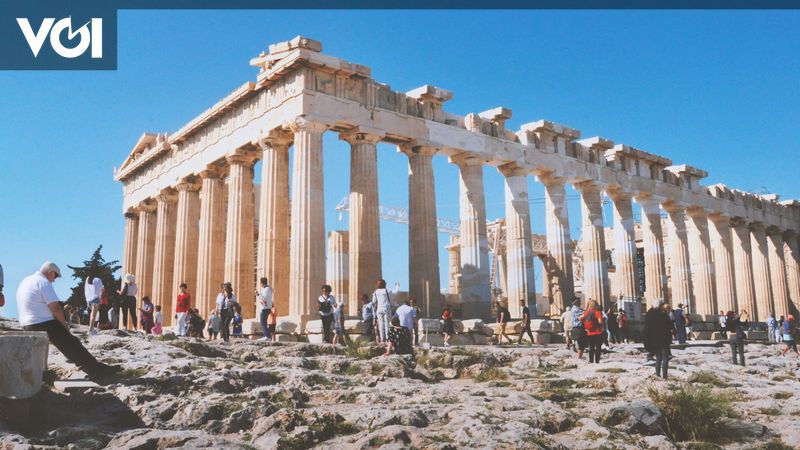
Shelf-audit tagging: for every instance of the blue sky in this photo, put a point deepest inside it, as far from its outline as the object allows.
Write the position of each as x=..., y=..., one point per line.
x=714, y=89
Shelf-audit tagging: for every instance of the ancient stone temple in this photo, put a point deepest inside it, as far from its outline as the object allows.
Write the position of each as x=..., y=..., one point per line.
x=194, y=214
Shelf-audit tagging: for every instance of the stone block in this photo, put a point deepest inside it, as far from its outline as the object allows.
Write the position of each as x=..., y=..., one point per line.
x=430, y=326
x=472, y=324
x=251, y=327
x=461, y=339
x=285, y=326
x=23, y=360
x=703, y=335
x=480, y=339
x=354, y=326
x=314, y=326
x=545, y=325
x=458, y=326
x=541, y=338
x=432, y=339
x=757, y=335
x=285, y=338
x=315, y=338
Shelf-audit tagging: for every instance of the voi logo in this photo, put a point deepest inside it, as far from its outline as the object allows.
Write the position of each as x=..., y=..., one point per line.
x=90, y=35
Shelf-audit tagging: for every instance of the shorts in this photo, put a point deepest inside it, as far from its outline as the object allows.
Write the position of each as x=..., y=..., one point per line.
x=94, y=302
x=272, y=327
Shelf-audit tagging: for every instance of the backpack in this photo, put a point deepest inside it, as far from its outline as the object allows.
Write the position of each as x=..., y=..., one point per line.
x=325, y=307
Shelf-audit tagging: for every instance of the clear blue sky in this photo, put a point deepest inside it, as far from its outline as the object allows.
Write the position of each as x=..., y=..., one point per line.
x=714, y=89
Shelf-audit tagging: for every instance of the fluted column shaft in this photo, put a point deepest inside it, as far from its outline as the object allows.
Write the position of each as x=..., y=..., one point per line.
x=130, y=244
x=423, y=245
x=680, y=262
x=702, y=263
x=239, y=247
x=187, y=235
x=743, y=260
x=625, y=246
x=337, y=270
x=595, y=265
x=761, y=272
x=307, y=243
x=559, y=244
x=145, y=249
x=792, y=258
x=211, y=246
x=722, y=247
x=655, y=272
x=164, y=257
x=519, y=248
x=475, y=291
x=365, y=232
x=454, y=260
x=274, y=221
x=777, y=270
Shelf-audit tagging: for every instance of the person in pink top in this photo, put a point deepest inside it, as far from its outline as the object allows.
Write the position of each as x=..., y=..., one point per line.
x=182, y=306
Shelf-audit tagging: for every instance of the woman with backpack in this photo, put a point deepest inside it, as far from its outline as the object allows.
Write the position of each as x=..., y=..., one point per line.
x=592, y=320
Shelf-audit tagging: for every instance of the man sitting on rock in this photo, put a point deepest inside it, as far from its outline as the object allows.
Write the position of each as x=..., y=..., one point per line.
x=40, y=310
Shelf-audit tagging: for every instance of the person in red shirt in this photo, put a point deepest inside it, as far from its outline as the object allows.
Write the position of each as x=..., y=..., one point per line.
x=622, y=318
x=181, y=308
x=592, y=320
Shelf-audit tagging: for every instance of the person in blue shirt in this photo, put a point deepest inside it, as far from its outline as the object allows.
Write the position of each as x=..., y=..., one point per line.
x=772, y=326
x=790, y=335
x=680, y=323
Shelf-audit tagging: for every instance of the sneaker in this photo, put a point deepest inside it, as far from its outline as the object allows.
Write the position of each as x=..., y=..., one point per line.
x=93, y=332
x=264, y=339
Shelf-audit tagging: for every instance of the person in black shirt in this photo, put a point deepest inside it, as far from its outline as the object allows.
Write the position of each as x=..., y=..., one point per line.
x=399, y=339
x=502, y=320
x=658, y=335
x=526, y=322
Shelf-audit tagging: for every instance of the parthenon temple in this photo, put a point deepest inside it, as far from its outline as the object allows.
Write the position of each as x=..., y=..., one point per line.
x=194, y=214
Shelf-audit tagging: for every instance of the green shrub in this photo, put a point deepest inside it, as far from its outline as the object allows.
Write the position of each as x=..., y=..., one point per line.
x=692, y=412
x=782, y=395
x=490, y=374
x=611, y=370
x=706, y=377
x=771, y=411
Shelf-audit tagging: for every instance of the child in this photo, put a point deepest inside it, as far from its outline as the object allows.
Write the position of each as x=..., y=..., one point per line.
x=159, y=320
x=213, y=326
x=237, y=324
x=197, y=323
x=272, y=322
x=447, y=325
x=147, y=315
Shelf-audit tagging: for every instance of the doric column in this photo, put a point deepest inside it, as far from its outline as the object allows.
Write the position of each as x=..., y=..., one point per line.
x=145, y=248
x=761, y=273
x=364, y=226
x=722, y=247
x=423, y=239
x=595, y=265
x=454, y=260
x=211, y=246
x=475, y=293
x=777, y=271
x=274, y=221
x=680, y=263
x=742, y=259
x=164, y=256
x=702, y=262
x=519, y=248
x=792, y=258
x=337, y=269
x=239, y=245
x=307, y=244
x=187, y=236
x=655, y=272
x=559, y=244
x=130, y=244
x=625, y=245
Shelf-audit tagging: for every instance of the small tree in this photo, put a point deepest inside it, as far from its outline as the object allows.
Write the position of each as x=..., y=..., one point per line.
x=95, y=266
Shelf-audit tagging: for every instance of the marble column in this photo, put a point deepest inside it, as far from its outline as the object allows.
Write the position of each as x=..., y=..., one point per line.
x=145, y=249
x=680, y=262
x=743, y=260
x=187, y=236
x=625, y=246
x=792, y=258
x=274, y=220
x=423, y=245
x=655, y=272
x=307, y=243
x=164, y=256
x=777, y=270
x=211, y=246
x=702, y=262
x=454, y=260
x=559, y=244
x=761, y=273
x=476, y=296
x=337, y=269
x=130, y=244
x=722, y=247
x=364, y=226
x=519, y=247
x=239, y=245
x=595, y=265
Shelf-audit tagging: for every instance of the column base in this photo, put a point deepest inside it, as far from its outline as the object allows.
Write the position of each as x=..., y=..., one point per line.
x=301, y=321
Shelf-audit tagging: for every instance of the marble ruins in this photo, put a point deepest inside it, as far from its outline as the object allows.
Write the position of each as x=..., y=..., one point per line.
x=193, y=214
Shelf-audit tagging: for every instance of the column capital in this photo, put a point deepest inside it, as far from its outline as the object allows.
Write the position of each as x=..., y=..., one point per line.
x=241, y=157
x=548, y=179
x=277, y=138
x=587, y=186
x=188, y=184
x=465, y=159
x=790, y=234
x=132, y=214
x=696, y=211
x=648, y=200
x=774, y=230
x=148, y=205
x=757, y=226
x=738, y=222
x=167, y=195
x=362, y=135
x=512, y=170
x=414, y=149
x=211, y=172
x=617, y=193
x=303, y=123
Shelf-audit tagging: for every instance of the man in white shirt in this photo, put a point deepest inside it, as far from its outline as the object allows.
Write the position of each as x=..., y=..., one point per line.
x=93, y=290
x=40, y=310
x=264, y=298
x=406, y=314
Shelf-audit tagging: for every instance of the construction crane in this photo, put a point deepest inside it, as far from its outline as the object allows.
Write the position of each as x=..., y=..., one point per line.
x=400, y=215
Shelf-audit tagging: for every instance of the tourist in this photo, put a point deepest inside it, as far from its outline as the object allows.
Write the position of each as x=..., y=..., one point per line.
x=592, y=320
x=502, y=320
x=723, y=324
x=779, y=331
x=195, y=324
x=213, y=326
x=182, y=308
x=105, y=305
x=737, y=325
x=93, y=289
x=578, y=329
x=612, y=325
x=790, y=336
x=40, y=310
x=417, y=314
x=657, y=336
x=128, y=293
x=679, y=321
x=526, y=322
x=447, y=325
x=158, y=322
x=272, y=323
x=264, y=298
x=689, y=324
x=237, y=322
x=367, y=317
x=339, y=333
x=114, y=313
x=325, y=303
x=566, y=325
x=772, y=328
x=147, y=315
x=383, y=310
x=622, y=320
x=406, y=315
x=398, y=339
x=226, y=306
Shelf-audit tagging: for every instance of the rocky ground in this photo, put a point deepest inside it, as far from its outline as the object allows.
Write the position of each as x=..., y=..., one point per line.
x=249, y=394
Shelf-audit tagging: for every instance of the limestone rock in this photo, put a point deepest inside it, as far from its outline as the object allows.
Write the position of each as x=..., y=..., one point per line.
x=638, y=416
x=23, y=360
